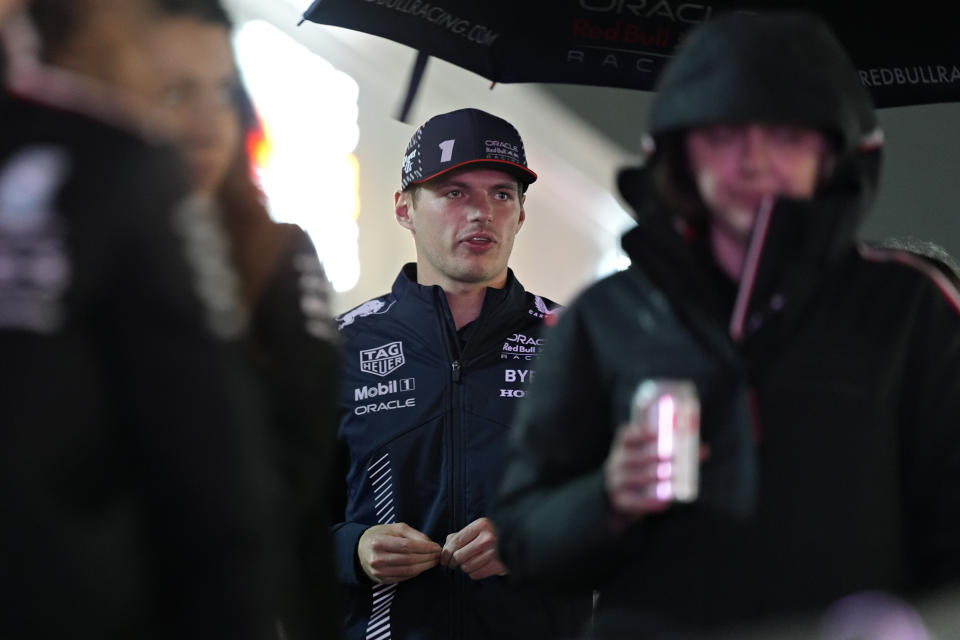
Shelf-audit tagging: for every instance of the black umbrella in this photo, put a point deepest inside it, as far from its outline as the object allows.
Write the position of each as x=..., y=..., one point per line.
x=906, y=53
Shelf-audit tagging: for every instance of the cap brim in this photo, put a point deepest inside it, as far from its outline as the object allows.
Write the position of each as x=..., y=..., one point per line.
x=524, y=175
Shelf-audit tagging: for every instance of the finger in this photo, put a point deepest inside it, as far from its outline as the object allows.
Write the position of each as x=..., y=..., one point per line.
x=636, y=435
x=479, y=560
x=637, y=460
x=457, y=540
x=406, y=531
x=405, y=546
x=392, y=574
x=641, y=475
x=450, y=556
x=471, y=531
x=638, y=504
x=446, y=555
x=485, y=542
x=490, y=569
x=380, y=560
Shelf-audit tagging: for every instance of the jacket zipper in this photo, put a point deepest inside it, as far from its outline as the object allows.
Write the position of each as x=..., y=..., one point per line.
x=458, y=468
x=452, y=343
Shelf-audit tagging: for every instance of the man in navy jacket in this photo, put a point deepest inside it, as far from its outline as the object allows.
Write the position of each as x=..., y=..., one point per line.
x=433, y=371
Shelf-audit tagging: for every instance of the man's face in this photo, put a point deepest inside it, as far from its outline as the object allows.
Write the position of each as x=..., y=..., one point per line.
x=463, y=223
x=736, y=167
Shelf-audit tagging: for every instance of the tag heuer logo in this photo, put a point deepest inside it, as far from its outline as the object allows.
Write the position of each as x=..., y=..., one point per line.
x=382, y=360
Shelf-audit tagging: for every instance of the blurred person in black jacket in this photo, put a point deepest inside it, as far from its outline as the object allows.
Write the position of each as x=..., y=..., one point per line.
x=828, y=371
x=134, y=488
x=292, y=336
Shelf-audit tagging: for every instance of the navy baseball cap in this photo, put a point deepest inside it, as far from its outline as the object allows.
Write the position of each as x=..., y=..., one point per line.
x=460, y=138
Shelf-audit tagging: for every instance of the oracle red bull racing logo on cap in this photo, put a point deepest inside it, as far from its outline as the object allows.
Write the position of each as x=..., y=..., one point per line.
x=382, y=360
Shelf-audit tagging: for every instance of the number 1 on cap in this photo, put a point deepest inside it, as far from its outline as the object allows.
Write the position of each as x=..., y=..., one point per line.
x=447, y=148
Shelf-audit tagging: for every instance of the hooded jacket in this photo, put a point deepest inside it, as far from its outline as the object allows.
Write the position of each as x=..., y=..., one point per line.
x=829, y=380
x=425, y=418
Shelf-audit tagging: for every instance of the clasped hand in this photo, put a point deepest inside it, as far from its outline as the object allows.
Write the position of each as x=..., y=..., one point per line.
x=391, y=553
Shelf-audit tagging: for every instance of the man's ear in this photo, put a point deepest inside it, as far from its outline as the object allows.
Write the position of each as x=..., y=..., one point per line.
x=523, y=212
x=402, y=207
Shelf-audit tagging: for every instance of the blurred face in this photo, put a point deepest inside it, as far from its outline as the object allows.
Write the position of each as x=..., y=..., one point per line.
x=197, y=77
x=107, y=46
x=463, y=224
x=736, y=167
x=7, y=7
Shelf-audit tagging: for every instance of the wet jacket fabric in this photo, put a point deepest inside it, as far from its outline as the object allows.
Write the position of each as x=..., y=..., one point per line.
x=833, y=437
x=296, y=348
x=133, y=491
x=424, y=423
x=829, y=379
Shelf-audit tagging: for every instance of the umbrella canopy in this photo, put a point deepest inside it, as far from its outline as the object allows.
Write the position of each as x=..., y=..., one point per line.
x=906, y=53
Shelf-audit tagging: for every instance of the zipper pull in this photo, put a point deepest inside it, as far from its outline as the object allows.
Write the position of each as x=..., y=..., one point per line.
x=455, y=367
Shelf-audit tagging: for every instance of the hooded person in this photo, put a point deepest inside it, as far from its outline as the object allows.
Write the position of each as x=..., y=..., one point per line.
x=828, y=373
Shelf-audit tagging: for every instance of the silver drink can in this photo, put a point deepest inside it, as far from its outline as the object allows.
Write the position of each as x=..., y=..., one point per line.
x=671, y=410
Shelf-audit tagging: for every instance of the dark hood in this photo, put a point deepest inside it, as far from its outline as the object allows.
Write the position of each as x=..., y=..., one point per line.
x=774, y=67
x=778, y=68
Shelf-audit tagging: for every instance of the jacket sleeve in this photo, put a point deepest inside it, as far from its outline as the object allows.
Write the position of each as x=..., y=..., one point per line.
x=552, y=508
x=345, y=535
x=930, y=419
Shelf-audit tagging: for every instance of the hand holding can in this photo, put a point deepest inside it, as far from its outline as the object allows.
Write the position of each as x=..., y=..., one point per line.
x=669, y=410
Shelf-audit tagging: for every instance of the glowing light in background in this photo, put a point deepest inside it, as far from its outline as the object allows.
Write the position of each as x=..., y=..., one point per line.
x=304, y=151
x=613, y=261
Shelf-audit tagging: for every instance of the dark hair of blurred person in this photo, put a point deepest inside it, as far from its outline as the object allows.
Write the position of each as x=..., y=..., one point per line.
x=281, y=280
x=134, y=491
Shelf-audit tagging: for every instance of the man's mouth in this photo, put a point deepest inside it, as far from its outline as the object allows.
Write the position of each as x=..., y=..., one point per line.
x=477, y=239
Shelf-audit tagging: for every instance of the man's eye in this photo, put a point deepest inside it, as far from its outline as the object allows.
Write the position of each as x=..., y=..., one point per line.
x=504, y=195
x=454, y=193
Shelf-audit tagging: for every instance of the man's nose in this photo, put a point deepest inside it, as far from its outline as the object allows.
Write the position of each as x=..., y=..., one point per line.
x=480, y=208
x=755, y=157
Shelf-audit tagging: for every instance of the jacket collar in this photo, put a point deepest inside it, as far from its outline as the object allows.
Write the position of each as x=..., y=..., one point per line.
x=406, y=286
x=498, y=317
